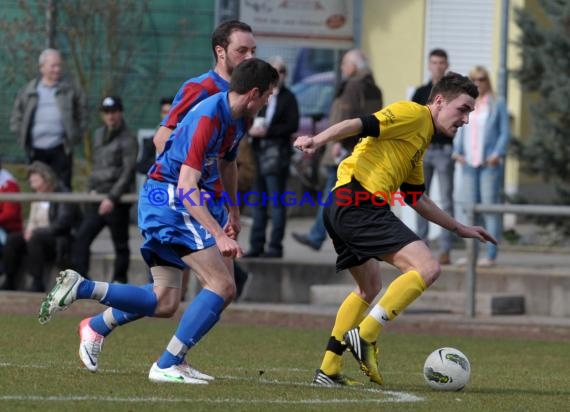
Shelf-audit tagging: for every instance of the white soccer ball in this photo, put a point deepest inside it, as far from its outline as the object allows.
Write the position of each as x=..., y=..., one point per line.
x=447, y=369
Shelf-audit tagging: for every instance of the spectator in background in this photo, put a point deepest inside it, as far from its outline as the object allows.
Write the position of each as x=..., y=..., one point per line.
x=148, y=155
x=10, y=212
x=358, y=95
x=47, y=236
x=437, y=159
x=50, y=116
x=271, y=143
x=113, y=174
x=480, y=147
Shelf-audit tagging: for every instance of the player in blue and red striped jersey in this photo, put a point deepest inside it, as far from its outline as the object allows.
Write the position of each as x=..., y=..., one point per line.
x=232, y=42
x=181, y=228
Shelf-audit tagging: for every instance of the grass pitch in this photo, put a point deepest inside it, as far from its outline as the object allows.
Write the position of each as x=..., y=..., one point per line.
x=264, y=368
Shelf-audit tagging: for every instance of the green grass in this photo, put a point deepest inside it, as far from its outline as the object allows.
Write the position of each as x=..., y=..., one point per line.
x=264, y=368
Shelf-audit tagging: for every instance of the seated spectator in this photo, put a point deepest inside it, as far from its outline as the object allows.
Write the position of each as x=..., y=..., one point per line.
x=46, y=238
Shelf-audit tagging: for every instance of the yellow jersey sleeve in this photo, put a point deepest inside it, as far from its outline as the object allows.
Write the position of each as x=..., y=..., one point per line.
x=382, y=164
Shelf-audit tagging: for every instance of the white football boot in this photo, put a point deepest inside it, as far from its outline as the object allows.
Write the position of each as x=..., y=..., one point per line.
x=173, y=374
x=90, y=346
x=63, y=294
x=195, y=373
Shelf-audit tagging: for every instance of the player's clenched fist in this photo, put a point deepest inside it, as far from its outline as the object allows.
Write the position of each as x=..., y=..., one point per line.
x=305, y=144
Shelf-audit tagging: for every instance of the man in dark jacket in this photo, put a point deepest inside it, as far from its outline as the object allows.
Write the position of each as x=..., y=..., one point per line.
x=114, y=161
x=271, y=143
x=50, y=116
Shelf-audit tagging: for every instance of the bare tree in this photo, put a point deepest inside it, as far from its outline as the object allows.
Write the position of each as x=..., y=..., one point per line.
x=101, y=42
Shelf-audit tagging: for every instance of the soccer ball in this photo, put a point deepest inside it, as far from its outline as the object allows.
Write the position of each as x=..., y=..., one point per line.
x=447, y=369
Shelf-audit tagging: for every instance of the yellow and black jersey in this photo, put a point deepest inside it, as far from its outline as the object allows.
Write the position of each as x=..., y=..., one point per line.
x=382, y=164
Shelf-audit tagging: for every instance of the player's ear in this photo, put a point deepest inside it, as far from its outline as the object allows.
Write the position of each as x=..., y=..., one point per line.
x=254, y=93
x=438, y=100
x=220, y=52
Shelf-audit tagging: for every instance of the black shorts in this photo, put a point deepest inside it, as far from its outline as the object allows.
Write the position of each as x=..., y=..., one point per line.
x=365, y=231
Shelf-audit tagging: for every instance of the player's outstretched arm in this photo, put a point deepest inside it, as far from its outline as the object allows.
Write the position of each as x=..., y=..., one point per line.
x=339, y=131
x=430, y=211
x=476, y=232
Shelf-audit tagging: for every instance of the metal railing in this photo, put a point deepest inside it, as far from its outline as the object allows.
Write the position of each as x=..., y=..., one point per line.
x=472, y=211
x=58, y=197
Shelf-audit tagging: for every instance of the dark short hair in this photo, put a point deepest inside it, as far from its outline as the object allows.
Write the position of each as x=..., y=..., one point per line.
x=452, y=85
x=439, y=53
x=252, y=73
x=166, y=100
x=221, y=36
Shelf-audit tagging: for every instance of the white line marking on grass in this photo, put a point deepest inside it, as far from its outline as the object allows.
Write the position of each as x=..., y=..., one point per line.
x=389, y=396
x=393, y=397
x=405, y=396
x=59, y=364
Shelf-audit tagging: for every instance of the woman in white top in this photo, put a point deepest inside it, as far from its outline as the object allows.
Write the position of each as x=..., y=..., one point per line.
x=480, y=147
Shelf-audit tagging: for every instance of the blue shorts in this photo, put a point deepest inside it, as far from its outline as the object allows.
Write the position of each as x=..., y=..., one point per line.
x=167, y=227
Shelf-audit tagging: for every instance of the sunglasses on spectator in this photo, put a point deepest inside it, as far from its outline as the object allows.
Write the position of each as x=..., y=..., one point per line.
x=480, y=79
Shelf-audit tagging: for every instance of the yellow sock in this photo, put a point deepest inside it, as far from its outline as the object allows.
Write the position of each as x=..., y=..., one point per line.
x=400, y=294
x=349, y=314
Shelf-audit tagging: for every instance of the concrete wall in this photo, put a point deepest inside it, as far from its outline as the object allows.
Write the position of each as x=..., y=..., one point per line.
x=393, y=37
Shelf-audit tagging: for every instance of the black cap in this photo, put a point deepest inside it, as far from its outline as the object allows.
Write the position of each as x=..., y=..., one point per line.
x=111, y=104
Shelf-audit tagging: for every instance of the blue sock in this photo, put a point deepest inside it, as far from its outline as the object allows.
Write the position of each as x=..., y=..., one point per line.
x=119, y=317
x=131, y=299
x=85, y=289
x=198, y=318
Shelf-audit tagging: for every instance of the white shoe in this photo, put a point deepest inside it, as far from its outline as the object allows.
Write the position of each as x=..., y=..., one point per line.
x=195, y=373
x=486, y=263
x=90, y=346
x=174, y=374
x=63, y=294
x=461, y=262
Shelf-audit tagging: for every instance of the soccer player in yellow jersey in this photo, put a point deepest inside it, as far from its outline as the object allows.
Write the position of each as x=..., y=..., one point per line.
x=385, y=167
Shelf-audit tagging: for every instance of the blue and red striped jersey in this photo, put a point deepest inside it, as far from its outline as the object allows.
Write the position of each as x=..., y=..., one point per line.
x=193, y=91
x=207, y=133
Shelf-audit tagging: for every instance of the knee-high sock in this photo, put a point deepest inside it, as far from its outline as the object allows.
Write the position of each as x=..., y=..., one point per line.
x=110, y=318
x=349, y=314
x=128, y=298
x=198, y=318
x=400, y=294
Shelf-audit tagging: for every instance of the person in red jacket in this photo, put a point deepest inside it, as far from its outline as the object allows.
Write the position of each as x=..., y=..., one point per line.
x=10, y=212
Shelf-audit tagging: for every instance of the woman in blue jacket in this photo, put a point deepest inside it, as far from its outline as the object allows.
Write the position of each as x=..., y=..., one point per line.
x=480, y=147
